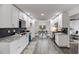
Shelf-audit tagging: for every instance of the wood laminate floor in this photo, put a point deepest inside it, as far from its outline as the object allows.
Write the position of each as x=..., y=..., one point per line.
x=42, y=46
x=46, y=46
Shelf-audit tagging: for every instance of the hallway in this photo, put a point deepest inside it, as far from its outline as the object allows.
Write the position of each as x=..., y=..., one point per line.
x=42, y=46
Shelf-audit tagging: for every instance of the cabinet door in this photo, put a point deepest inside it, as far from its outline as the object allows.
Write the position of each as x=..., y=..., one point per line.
x=23, y=43
x=5, y=16
x=4, y=48
x=15, y=14
x=62, y=40
x=18, y=45
x=14, y=46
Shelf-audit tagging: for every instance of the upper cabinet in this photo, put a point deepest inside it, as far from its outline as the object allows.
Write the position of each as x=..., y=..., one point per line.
x=60, y=21
x=15, y=17
x=10, y=15
x=5, y=16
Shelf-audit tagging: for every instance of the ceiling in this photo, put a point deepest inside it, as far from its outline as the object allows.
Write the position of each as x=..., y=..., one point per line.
x=48, y=9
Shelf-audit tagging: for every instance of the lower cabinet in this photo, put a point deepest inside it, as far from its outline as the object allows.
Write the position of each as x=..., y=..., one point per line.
x=14, y=47
x=62, y=40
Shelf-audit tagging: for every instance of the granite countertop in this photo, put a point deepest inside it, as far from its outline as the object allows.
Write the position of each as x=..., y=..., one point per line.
x=11, y=38
x=61, y=33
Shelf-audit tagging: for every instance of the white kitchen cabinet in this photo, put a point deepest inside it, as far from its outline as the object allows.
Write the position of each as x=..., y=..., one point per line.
x=15, y=17
x=60, y=21
x=18, y=45
x=5, y=16
x=62, y=40
x=14, y=46
x=9, y=15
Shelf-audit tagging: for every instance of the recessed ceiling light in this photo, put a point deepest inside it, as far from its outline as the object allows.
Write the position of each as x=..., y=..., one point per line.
x=42, y=14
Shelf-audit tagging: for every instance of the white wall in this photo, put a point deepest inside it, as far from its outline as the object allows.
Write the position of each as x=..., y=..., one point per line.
x=65, y=20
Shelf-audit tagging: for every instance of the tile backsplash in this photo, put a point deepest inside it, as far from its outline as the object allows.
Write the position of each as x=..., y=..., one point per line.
x=10, y=31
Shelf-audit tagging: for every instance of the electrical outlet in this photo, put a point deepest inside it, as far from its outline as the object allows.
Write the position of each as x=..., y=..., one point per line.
x=14, y=30
x=8, y=31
